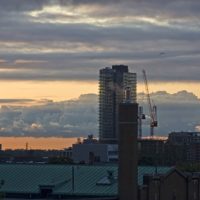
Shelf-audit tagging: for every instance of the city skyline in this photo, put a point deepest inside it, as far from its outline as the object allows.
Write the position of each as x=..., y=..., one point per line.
x=99, y=99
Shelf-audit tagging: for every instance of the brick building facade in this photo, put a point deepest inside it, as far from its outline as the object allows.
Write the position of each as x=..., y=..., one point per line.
x=174, y=185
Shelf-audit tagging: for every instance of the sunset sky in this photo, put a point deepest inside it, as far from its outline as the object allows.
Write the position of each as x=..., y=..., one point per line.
x=54, y=49
x=51, y=52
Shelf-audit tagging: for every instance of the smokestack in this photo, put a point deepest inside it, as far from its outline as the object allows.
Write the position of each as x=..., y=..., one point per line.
x=128, y=155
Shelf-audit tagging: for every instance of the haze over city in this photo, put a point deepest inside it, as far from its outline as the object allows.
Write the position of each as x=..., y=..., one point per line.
x=51, y=53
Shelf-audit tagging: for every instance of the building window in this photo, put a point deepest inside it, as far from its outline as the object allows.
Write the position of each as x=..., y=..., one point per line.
x=45, y=192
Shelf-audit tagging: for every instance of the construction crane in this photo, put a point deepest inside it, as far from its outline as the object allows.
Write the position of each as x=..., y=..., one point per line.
x=152, y=108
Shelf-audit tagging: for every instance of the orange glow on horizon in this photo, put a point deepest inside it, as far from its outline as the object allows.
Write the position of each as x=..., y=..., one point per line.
x=36, y=143
x=65, y=90
x=54, y=90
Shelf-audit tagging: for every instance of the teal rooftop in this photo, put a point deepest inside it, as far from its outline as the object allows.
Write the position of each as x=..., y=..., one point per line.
x=70, y=180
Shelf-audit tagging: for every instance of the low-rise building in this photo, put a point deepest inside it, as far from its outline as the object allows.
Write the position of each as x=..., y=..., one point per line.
x=174, y=185
x=90, y=151
x=179, y=147
x=94, y=153
x=20, y=181
x=185, y=146
x=151, y=151
x=64, y=181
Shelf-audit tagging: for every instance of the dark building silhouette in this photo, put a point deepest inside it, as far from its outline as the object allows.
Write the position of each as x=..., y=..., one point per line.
x=151, y=151
x=128, y=158
x=184, y=146
x=179, y=147
x=174, y=185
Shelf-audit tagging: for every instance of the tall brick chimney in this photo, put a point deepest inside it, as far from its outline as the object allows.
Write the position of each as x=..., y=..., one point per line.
x=128, y=151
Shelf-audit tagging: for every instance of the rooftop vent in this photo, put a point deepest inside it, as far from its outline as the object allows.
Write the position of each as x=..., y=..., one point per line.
x=107, y=180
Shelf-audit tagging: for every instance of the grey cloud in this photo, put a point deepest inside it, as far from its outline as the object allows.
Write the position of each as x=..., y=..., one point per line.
x=53, y=76
x=22, y=5
x=162, y=97
x=45, y=59
x=22, y=102
x=160, y=9
x=89, y=2
x=170, y=9
x=176, y=112
x=79, y=117
x=76, y=47
x=8, y=101
x=174, y=65
x=67, y=118
x=85, y=33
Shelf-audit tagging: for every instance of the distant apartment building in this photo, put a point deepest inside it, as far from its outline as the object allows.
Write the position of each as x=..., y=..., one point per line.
x=112, y=83
x=179, y=147
x=151, y=151
x=181, y=138
x=186, y=145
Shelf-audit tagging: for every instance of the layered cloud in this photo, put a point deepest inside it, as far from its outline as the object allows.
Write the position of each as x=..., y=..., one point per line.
x=62, y=40
x=79, y=117
x=69, y=118
x=176, y=112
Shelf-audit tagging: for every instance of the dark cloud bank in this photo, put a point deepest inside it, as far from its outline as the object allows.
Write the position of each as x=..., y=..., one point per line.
x=79, y=117
x=99, y=33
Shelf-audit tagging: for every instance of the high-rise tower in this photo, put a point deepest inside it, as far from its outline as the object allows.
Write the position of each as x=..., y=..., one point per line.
x=112, y=82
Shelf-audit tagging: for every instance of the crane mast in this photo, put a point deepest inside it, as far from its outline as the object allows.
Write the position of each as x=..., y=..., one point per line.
x=152, y=109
